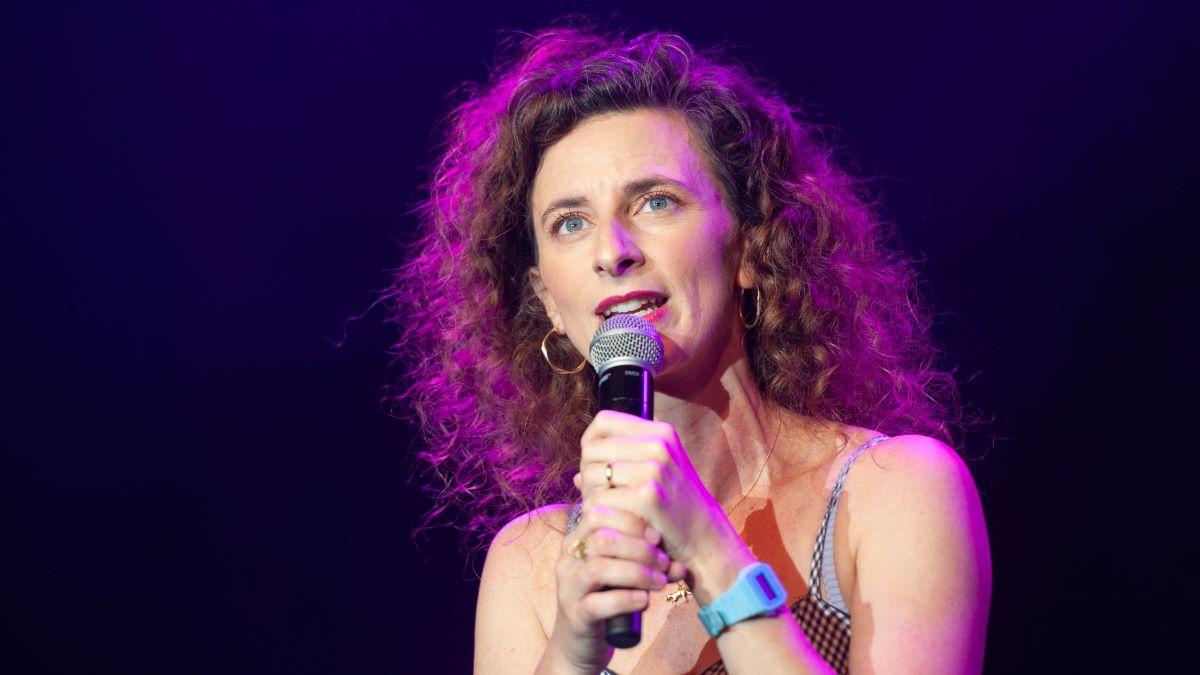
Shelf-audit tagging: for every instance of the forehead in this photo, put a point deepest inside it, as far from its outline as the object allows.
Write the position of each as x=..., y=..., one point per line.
x=602, y=152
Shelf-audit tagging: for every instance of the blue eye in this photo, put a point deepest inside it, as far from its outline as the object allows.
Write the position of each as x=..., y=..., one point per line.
x=658, y=203
x=571, y=224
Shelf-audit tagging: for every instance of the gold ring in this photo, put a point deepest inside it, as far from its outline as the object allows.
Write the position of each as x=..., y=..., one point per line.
x=608, y=475
x=579, y=548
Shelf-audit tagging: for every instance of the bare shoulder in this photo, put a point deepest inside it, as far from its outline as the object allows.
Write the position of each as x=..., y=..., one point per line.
x=913, y=488
x=527, y=546
x=533, y=529
x=915, y=469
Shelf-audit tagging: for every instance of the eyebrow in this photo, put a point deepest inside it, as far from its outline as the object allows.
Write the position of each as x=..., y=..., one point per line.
x=631, y=189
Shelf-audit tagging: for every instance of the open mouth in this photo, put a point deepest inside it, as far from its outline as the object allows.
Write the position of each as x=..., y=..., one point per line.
x=637, y=306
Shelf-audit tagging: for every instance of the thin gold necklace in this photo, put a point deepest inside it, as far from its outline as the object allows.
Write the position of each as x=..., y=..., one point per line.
x=778, y=428
x=681, y=591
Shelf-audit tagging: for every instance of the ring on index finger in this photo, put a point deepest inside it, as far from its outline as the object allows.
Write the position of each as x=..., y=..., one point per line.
x=608, y=475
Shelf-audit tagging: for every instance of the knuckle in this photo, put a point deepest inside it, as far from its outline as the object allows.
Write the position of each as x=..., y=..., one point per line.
x=628, y=522
x=597, y=544
x=646, y=491
x=657, y=470
x=650, y=494
x=606, y=536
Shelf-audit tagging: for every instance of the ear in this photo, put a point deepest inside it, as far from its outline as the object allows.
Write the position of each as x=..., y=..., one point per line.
x=746, y=276
x=539, y=288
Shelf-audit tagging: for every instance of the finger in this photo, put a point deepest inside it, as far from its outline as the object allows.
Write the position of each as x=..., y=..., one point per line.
x=602, y=475
x=629, y=448
x=576, y=579
x=635, y=548
x=598, y=573
x=614, y=602
x=644, y=500
x=612, y=423
x=594, y=517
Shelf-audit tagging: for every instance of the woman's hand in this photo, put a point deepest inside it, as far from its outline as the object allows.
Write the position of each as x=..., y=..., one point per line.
x=612, y=550
x=653, y=478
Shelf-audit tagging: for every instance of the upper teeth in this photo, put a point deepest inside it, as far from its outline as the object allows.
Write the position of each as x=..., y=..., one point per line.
x=632, y=305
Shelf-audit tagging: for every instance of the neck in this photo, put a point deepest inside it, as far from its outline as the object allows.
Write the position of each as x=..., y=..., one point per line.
x=726, y=424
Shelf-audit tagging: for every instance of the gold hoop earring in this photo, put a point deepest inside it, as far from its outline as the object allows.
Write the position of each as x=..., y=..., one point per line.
x=546, y=355
x=758, y=308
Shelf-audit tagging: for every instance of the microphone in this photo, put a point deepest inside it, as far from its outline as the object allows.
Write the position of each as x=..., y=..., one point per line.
x=627, y=353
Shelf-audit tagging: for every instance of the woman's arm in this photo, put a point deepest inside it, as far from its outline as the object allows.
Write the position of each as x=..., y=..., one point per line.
x=922, y=567
x=509, y=637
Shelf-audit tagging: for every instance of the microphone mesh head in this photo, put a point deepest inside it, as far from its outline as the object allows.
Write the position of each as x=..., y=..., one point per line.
x=626, y=338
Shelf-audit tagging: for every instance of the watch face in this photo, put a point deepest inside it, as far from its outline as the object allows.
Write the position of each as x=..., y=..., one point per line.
x=766, y=587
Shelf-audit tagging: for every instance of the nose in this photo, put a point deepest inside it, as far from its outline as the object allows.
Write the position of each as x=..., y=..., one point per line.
x=617, y=251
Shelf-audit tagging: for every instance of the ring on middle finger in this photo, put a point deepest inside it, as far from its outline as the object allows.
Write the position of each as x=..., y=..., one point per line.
x=608, y=475
x=579, y=548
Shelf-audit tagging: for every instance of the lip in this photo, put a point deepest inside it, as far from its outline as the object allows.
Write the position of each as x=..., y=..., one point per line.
x=632, y=295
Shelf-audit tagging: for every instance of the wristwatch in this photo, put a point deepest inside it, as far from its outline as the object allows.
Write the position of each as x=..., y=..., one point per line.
x=757, y=592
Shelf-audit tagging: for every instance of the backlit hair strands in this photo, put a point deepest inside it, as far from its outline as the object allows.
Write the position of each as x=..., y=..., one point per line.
x=842, y=337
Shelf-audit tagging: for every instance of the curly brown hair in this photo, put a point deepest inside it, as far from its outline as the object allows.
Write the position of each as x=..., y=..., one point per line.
x=842, y=338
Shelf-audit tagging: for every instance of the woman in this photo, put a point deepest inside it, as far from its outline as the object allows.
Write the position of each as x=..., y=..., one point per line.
x=597, y=175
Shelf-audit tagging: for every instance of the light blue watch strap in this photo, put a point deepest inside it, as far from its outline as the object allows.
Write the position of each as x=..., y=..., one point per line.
x=756, y=592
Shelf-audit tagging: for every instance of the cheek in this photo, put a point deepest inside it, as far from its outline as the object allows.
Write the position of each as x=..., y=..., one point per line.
x=562, y=285
x=709, y=260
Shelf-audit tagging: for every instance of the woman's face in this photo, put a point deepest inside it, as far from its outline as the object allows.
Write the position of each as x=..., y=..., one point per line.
x=629, y=219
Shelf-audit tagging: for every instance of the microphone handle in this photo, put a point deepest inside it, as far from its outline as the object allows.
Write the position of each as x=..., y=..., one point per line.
x=628, y=389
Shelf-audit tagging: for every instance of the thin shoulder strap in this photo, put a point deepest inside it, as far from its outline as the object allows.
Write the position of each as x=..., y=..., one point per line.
x=822, y=560
x=573, y=516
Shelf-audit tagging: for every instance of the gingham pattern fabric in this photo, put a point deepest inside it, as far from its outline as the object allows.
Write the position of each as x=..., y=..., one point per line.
x=820, y=613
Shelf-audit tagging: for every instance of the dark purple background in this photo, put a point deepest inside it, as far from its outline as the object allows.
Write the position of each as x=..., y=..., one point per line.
x=197, y=195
